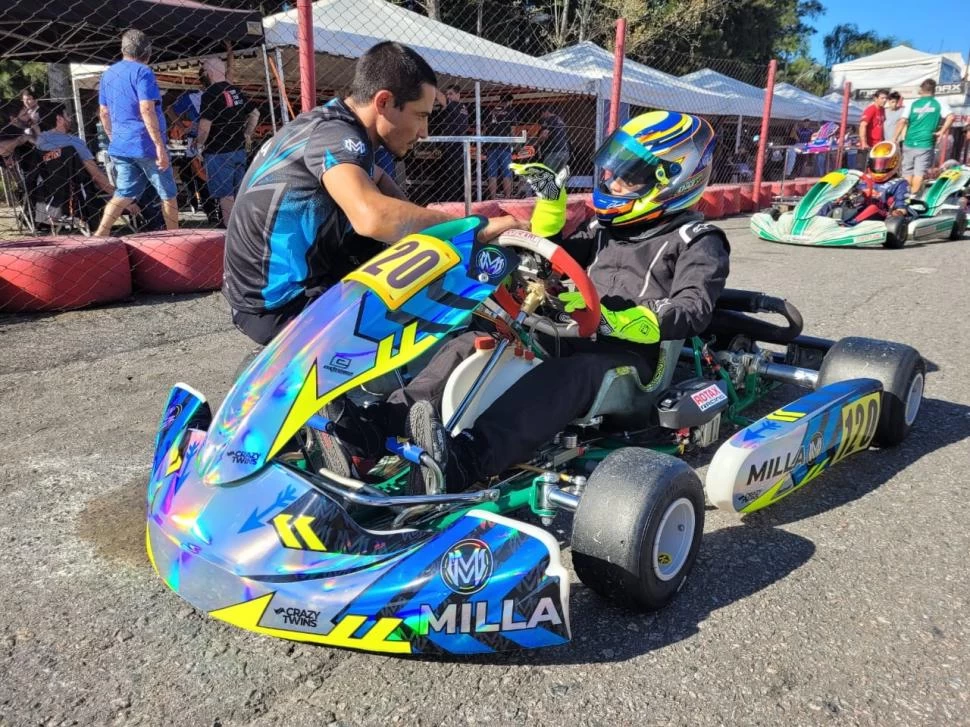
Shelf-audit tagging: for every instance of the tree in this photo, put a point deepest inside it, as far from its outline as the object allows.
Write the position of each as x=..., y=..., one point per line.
x=15, y=76
x=805, y=73
x=846, y=42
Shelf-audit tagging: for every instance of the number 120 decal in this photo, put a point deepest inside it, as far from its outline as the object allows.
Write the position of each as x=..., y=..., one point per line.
x=403, y=269
x=859, y=421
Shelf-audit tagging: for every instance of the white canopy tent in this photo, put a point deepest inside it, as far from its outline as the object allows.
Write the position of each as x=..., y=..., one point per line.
x=831, y=110
x=836, y=97
x=645, y=86
x=347, y=28
x=781, y=108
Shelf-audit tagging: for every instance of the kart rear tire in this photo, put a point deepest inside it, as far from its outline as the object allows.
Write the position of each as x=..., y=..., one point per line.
x=899, y=368
x=959, y=228
x=638, y=528
x=897, y=232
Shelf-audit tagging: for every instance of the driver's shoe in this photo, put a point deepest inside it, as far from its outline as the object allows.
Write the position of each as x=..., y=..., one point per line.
x=455, y=456
x=355, y=442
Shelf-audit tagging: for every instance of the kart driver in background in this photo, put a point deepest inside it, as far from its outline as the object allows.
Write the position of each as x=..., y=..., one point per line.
x=314, y=206
x=880, y=185
x=658, y=268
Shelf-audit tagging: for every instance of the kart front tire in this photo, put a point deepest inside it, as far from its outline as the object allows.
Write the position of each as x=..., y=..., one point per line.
x=899, y=368
x=897, y=233
x=638, y=528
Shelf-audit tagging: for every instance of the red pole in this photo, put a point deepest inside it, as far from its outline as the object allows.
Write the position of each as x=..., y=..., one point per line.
x=617, y=75
x=846, y=92
x=759, y=164
x=308, y=69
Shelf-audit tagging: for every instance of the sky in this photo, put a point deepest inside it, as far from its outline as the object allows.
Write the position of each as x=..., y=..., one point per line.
x=934, y=26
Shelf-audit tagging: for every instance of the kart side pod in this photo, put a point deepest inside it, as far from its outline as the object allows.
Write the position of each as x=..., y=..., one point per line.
x=791, y=446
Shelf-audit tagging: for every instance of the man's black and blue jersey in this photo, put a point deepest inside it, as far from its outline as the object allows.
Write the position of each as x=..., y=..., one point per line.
x=286, y=236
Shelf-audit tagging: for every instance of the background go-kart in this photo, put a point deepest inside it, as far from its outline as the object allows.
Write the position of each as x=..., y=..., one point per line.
x=844, y=604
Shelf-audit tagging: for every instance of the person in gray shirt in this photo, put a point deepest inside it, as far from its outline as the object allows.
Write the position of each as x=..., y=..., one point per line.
x=55, y=123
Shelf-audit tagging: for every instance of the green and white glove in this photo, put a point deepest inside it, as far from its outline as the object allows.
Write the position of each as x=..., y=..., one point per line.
x=549, y=215
x=637, y=324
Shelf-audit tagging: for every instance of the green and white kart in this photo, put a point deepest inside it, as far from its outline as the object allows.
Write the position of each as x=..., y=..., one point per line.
x=940, y=214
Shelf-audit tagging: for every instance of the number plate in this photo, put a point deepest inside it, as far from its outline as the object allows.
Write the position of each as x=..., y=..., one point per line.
x=406, y=267
x=859, y=421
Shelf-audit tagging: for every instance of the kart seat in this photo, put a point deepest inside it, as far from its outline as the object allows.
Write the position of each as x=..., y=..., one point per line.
x=624, y=397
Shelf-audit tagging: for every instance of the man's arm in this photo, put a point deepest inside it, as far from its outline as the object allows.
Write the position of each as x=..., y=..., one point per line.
x=99, y=177
x=944, y=130
x=251, y=121
x=387, y=185
x=105, y=117
x=699, y=279
x=900, y=128
x=205, y=126
x=862, y=133
x=147, y=111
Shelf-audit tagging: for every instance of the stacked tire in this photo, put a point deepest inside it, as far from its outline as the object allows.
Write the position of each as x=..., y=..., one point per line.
x=176, y=261
x=62, y=273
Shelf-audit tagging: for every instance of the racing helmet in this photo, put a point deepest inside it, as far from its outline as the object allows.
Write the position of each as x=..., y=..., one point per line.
x=883, y=161
x=655, y=164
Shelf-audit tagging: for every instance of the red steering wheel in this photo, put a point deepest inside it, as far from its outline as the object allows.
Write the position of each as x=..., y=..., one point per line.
x=563, y=263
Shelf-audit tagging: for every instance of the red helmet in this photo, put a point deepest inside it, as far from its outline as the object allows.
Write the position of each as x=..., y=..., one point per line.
x=883, y=161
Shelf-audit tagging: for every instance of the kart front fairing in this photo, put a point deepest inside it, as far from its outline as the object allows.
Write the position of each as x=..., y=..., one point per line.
x=375, y=320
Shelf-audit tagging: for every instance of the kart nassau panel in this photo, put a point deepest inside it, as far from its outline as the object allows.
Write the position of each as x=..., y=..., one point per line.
x=792, y=446
x=185, y=406
x=925, y=228
x=273, y=556
x=379, y=317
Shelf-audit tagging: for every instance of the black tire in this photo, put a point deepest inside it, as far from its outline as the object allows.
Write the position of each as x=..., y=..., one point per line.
x=959, y=226
x=615, y=544
x=897, y=232
x=899, y=368
x=774, y=213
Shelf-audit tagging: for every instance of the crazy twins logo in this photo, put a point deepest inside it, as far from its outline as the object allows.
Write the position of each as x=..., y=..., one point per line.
x=467, y=566
x=491, y=262
x=355, y=146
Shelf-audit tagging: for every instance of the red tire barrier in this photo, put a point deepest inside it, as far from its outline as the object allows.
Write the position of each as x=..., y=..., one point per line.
x=712, y=203
x=732, y=199
x=176, y=261
x=62, y=273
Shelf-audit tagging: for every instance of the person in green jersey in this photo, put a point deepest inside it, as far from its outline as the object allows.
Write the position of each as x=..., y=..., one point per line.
x=918, y=130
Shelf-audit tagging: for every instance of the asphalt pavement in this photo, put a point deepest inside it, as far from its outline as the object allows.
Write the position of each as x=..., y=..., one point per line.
x=846, y=603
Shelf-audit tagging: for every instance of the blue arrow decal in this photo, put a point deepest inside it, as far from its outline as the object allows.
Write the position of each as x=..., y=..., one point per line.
x=255, y=519
x=757, y=430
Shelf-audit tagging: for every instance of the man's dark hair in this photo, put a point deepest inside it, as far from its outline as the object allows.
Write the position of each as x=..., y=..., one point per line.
x=49, y=111
x=929, y=85
x=507, y=98
x=880, y=92
x=393, y=67
x=452, y=87
x=895, y=96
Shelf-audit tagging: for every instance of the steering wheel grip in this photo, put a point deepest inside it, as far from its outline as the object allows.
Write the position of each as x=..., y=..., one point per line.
x=562, y=262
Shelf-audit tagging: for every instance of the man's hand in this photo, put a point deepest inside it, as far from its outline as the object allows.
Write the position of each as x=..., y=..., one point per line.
x=900, y=212
x=161, y=157
x=497, y=225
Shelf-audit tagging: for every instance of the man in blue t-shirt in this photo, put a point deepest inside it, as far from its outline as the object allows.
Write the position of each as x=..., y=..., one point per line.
x=131, y=114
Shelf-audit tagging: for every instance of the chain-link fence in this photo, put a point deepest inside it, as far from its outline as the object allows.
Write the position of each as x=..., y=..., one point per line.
x=517, y=82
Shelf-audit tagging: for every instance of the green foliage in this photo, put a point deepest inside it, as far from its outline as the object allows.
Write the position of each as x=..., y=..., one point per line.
x=15, y=76
x=805, y=73
x=847, y=42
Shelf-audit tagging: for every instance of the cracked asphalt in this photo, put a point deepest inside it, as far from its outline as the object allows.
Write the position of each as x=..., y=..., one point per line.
x=845, y=604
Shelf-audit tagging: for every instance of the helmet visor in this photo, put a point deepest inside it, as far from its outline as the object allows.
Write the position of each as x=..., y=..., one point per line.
x=627, y=168
x=881, y=164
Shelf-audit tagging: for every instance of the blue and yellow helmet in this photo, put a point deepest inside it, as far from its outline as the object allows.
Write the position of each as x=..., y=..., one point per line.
x=655, y=164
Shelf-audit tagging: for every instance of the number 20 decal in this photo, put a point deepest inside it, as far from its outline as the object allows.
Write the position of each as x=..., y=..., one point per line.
x=859, y=421
x=403, y=269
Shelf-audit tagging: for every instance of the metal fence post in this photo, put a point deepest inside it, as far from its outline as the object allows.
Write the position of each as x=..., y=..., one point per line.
x=617, y=74
x=308, y=68
x=759, y=164
x=846, y=91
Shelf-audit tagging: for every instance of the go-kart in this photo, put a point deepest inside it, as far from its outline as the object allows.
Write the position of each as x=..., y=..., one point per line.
x=245, y=523
x=825, y=216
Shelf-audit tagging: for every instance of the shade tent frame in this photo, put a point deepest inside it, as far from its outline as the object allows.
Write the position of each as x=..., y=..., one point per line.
x=787, y=109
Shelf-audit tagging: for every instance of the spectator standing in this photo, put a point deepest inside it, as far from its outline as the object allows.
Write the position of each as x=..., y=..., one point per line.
x=554, y=140
x=894, y=112
x=31, y=108
x=500, y=122
x=918, y=129
x=12, y=133
x=451, y=120
x=227, y=120
x=872, y=127
x=131, y=114
x=801, y=133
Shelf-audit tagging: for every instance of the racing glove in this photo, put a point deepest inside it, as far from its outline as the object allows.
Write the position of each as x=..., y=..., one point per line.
x=637, y=324
x=549, y=215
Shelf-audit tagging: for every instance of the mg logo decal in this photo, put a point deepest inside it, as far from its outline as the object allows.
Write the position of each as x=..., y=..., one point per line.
x=467, y=566
x=491, y=262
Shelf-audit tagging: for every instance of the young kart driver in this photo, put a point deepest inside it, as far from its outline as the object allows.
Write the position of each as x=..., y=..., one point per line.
x=885, y=192
x=658, y=267
x=313, y=206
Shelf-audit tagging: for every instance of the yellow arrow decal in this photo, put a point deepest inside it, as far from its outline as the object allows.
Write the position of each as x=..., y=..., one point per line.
x=282, y=525
x=302, y=526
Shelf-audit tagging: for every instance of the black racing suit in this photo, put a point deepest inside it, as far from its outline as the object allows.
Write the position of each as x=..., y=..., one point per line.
x=677, y=269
